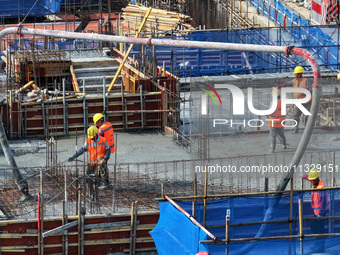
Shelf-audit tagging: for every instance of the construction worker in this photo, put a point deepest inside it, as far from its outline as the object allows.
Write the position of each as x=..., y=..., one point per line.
x=320, y=204
x=276, y=125
x=105, y=129
x=299, y=82
x=99, y=154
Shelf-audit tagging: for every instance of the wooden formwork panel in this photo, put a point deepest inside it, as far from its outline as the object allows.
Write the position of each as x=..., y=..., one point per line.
x=22, y=236
x=75, y=114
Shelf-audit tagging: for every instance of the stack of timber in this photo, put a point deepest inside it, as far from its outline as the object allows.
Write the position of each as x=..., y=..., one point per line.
x=159, y=20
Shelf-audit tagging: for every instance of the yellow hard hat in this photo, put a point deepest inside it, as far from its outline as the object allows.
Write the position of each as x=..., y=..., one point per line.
x=92, y=131
x=97, y=117
x=299, y=69
x=313, y=174
x=338, y=76
x=278, y=92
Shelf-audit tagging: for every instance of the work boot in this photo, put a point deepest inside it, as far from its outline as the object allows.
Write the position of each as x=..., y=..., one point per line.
x=103, y=185
x=296, y=130
x=272, y=149
x=284, y=147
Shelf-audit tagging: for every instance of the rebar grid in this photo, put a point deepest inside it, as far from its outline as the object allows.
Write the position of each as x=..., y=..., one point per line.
x=143, y=182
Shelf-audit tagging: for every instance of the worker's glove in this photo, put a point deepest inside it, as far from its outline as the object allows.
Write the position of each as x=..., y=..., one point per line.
x=281, y=85
x=70, y=159
x=305, y=177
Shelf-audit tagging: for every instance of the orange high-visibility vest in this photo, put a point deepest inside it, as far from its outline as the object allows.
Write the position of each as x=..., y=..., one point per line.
x=275, y=119
x=109, y=135
x=320, y=200
x=97, y=152
x=302, y=84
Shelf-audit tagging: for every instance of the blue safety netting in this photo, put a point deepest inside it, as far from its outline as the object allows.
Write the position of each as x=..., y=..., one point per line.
x=315, y=39
x=191, y=62
x=175, y=233
x=30, y=8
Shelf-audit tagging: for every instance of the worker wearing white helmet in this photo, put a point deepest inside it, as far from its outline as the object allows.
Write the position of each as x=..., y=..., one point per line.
x=299, y=82
x=320, y=204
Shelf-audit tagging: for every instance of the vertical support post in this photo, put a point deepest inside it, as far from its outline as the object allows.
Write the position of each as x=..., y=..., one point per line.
x=104, y=98
x=162, y=189
x=227, y=218
x=165, y=107
x=41, y=215
x=65, y=232
x=334, y=107
x=290, y=213
x=133, y=228
x=265, y=184
x=333, y=172
x=141, y=105
x=115, y=175
x=301, y=226
x=332, y=199
x=43, y=112
x=81, y=213
x=205, y=199
x=195, y=194
x=84, y=106
x=65, y=214
x=64, y=107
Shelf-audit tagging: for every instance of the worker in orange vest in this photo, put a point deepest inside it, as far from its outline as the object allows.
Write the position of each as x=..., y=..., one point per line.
x=99, y=154
x=276, y=123
x=299, y=82
x=320, y=203
x=105, y=129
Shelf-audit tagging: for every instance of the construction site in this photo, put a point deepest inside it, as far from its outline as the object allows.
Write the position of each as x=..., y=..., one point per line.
x=186, y=86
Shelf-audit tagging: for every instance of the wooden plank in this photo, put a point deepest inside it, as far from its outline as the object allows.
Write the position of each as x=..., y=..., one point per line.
x=86, y=243
x=107, y=225
x=60, y=229
x=27, y=85
x=142, y=249
x=74, y=79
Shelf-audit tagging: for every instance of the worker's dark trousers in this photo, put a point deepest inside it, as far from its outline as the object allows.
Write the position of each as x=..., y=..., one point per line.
x=104, y=174
x=298, y=112
x=276, y=132
x=318, y=227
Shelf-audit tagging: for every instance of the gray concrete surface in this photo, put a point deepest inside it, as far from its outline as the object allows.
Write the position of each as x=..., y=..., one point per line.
x=131, y=148
x=137, y=147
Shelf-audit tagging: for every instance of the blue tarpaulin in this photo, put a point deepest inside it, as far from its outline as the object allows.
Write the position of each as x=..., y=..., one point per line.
x=20, y=8
x=176, y=234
